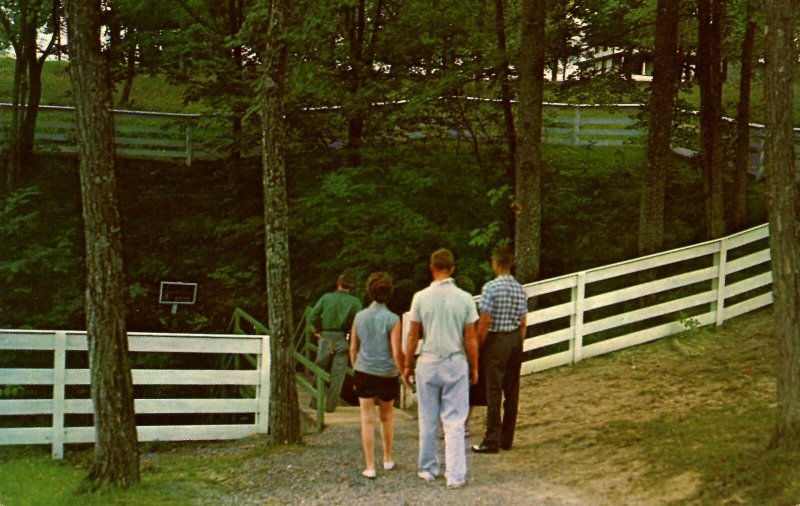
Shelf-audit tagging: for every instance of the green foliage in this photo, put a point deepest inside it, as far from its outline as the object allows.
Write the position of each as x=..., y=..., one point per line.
x=40, y=260
x=387, y=214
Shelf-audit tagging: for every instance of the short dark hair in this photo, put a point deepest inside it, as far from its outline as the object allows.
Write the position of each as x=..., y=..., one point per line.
x=442, y=259
x=346, y=281
x=504, y=256
x=380, y=287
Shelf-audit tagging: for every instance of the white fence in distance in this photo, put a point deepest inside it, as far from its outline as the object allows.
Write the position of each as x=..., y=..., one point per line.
x=61, y=376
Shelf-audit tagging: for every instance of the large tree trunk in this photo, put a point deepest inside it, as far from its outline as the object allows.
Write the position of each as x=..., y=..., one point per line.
x=116, y=457
x=783, y=220
x=709, y=72
x=284, y=418
x=528, y=234
x=666, y=72
x=742, y=161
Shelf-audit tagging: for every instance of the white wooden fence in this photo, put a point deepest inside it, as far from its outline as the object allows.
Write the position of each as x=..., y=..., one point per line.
x=61, y=376
x=598, y=311
x=609, y=308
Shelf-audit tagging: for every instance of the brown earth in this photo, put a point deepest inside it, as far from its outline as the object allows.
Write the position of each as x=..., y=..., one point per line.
x=562, y=454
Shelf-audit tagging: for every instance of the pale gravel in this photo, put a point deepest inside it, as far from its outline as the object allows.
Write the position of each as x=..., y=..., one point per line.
x=326, y=470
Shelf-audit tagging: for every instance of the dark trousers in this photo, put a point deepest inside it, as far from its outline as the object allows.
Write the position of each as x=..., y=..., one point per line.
x=503, y=355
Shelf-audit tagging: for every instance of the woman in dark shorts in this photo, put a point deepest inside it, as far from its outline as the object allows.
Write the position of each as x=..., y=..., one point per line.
x=377, y=356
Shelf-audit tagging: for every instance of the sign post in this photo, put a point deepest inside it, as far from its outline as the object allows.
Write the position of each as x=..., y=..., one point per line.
x=177, y=293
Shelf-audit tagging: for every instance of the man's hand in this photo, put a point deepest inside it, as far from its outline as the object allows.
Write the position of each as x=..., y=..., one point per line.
x=473, y=376
x=408, y=373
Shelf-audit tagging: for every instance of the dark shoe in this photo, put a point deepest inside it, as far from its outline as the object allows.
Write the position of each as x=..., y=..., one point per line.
x=506, y=448
x=484, y=449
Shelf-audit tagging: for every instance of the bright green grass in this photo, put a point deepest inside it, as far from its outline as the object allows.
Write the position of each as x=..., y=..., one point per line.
x=171, y=475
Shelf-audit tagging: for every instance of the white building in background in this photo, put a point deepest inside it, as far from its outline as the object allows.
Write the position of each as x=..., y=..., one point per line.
x=636, y=64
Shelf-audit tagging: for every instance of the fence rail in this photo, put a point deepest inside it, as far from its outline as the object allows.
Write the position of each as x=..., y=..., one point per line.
x=609, y=308
x=64, y=378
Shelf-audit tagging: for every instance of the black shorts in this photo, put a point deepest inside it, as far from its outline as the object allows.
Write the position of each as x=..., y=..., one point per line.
x=383, y=387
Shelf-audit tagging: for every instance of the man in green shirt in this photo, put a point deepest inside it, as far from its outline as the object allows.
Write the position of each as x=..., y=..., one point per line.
x=332, y=318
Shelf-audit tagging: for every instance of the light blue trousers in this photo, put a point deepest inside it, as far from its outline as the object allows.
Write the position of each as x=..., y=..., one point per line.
x=443, y=390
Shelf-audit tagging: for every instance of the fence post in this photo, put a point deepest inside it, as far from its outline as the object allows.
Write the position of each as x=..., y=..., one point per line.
x=264, y=366
x=576, y=127
x=576, y=319
x=718, y=283
x=59, y=374
x=188, y=144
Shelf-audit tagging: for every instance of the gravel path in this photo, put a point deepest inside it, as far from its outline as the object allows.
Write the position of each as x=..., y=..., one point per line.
x=326, y=469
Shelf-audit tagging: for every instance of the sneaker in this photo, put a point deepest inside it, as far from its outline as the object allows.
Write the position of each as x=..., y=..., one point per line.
x=388, y=465
x=369, y=473
x=456, y=484
x=426, y=476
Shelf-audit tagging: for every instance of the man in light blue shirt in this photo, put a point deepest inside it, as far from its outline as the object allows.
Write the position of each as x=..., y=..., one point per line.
x=448, y=315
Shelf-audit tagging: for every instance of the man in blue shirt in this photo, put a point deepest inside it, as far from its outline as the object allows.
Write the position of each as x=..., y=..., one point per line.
x=501, y=331
x=447, y=314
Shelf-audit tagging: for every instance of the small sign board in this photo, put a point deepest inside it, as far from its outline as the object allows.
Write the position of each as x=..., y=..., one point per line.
x=176, y=292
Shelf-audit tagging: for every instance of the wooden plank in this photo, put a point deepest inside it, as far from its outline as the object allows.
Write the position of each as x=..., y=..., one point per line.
x=193, y=377
x=642, y=336
x=748, y=284
x=145, y=141
x=550, y=313
x=26, y=436
x=748, y=236
x=548, y=362
x=26, y=376
x=649, y=312
x=263, y=392
x=551, y=285
x=59, y=366
x=169, y=433
x=548, y=339
x=232, y=344
x=9, y=407
x=649, y=288
x=194, y=432
x=652, y=261
x=187, y=406
x=25, y=340
x=747, y=261
x=748, y=305
x=151, y=153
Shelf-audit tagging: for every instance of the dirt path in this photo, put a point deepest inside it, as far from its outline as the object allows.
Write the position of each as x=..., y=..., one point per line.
x=561, y=456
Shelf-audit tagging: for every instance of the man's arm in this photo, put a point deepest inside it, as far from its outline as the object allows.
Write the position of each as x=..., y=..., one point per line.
x=316, y=317
x=471, y=347
x=523, y=326
x=411, y=347
x=483, y=327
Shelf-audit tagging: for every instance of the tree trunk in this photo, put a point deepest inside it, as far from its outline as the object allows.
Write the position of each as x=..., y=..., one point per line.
x=528, y=206
x=742, y=160
x=116, y=457
x=709, y=72
x=783, y=220
x=355, y=124
x=505, y=88
x=284, y=418
x=664, y=89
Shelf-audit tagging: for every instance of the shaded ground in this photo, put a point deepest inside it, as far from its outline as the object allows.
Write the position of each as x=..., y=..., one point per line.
x=566, y=451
